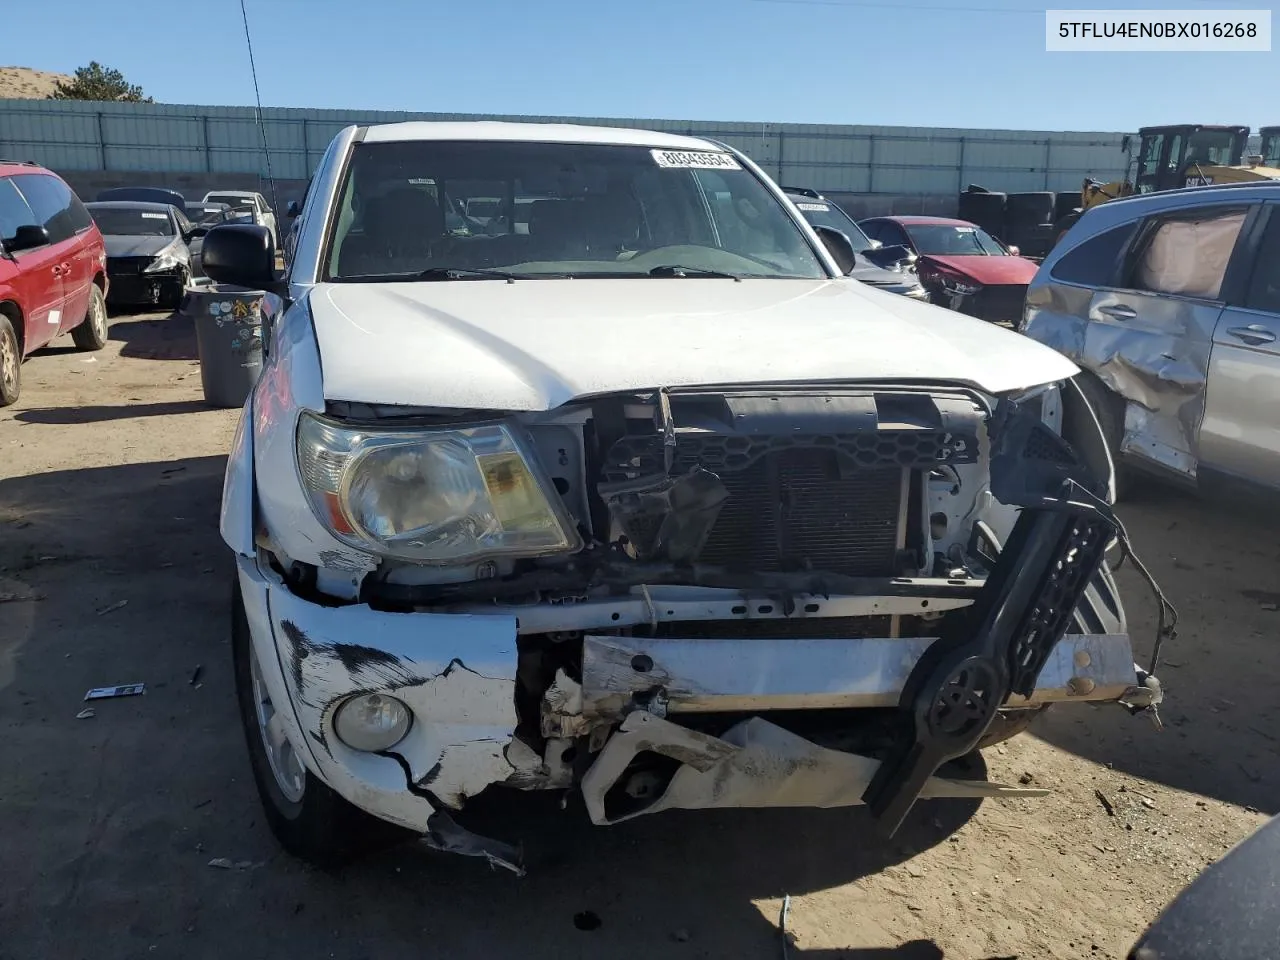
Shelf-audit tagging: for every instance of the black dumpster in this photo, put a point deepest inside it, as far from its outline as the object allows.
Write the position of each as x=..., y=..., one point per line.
x=229, y=331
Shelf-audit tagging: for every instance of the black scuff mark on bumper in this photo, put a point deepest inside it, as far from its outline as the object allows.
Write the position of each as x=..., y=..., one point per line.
x=300, y=647
x=337, y=560
x=379, y=665
x=319, y=737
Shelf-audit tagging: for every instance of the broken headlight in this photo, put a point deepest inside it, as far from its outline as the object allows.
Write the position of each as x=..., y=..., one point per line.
x=957, y=286
x=434, y=496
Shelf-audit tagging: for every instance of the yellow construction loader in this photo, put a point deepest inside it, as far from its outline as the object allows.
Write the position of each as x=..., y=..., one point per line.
x=1183, y=155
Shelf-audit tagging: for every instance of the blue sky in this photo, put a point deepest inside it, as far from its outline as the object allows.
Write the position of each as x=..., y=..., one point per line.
x=967, y=63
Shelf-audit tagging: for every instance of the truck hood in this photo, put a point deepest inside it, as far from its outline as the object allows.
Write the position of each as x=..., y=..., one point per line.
x=122, y=245
x=989, y=271
x=536, y=344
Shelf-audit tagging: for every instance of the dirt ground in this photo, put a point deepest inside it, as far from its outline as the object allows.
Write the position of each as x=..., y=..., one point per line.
x=110, y=476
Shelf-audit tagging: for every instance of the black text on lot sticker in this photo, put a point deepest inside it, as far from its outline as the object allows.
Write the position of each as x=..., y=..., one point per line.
x=695, y=160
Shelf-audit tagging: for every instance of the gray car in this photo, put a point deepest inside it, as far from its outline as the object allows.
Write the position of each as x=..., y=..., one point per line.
x=148, y=260
x=898, y=277
x=1171, y=303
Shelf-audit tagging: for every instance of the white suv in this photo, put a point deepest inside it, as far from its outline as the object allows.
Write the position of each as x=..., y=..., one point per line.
x=644, y=499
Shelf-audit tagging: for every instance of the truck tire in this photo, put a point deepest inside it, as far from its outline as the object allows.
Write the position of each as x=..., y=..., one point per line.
x=987, y=210
x=1029, y=209
x=1063, y=226
x=1065, y=204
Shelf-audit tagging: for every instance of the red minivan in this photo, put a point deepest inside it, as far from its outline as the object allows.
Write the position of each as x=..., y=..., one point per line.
x=53, y=270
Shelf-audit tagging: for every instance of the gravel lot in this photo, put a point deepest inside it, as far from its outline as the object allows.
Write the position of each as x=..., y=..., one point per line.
x=110, y=477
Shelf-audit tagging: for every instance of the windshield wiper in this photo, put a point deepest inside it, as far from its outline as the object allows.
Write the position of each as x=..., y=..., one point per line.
x=431, y=273
x=462, y=273
x=675, y=270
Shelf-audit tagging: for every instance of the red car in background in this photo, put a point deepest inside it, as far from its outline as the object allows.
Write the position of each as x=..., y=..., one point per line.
x=961, y=265
x=53, y=270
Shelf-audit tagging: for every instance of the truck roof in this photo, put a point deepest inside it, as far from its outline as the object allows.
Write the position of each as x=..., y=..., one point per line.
x=532, y=133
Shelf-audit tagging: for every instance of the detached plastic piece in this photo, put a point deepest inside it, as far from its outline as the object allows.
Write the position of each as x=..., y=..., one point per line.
x=1000, y=645
x=121, y=690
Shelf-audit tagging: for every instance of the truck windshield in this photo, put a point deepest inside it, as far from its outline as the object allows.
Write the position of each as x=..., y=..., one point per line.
x=437, y=209
x=954, y=240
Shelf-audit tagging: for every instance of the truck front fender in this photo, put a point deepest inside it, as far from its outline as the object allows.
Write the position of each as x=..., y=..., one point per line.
x=237, y=521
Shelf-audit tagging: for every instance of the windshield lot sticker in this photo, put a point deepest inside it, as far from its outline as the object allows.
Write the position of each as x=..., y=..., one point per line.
x=687, y=160
x=155, y=216
x=816, y=207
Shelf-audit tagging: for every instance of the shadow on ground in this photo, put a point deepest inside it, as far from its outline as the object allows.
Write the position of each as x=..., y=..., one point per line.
x=88, y=414
x=111, y=821
x=155, y=337
x=1219, y=563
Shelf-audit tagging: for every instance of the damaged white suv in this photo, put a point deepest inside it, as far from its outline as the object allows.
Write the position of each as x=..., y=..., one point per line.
x=624, y=487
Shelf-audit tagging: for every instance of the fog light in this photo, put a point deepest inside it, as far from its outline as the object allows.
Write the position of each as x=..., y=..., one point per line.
x=371, y=722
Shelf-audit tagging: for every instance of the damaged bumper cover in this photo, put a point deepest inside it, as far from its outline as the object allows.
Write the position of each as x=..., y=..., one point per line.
x=458, y=675
x=753, y=764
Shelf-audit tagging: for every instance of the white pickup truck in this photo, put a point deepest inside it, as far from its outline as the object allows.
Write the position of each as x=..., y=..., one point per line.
x=647, y=499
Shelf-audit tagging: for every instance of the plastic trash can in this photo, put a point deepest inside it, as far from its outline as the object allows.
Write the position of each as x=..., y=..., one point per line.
x=229, y=323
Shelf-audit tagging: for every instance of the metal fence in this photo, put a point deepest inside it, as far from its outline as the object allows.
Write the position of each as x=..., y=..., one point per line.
x=174, y=138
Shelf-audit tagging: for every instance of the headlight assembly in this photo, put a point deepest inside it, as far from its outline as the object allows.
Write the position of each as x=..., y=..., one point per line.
x=445, y=496
x=165, y=260
x=958, y=287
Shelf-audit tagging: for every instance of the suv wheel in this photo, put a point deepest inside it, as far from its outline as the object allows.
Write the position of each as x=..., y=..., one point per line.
x=92, y=333
x=10, y=363
x=309, y=819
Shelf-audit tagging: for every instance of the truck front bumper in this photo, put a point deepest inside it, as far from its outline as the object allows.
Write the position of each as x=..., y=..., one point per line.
x=457, y=674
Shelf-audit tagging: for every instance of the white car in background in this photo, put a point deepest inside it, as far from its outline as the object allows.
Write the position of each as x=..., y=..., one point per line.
x=649, y=500
x=246, y=201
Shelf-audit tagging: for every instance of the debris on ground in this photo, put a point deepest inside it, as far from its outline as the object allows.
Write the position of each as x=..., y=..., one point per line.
x=1026, y=778
x=222, y=863
x=121, y=690
x=195, y=675
x=1106, y=804
x=86, y=713
x=680, y=936
x=119, y=604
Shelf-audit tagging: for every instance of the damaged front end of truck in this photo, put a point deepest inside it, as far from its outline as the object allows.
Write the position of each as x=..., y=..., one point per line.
x=777, y=595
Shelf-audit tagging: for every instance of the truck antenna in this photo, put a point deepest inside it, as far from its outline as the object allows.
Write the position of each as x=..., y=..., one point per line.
x=262, y=127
